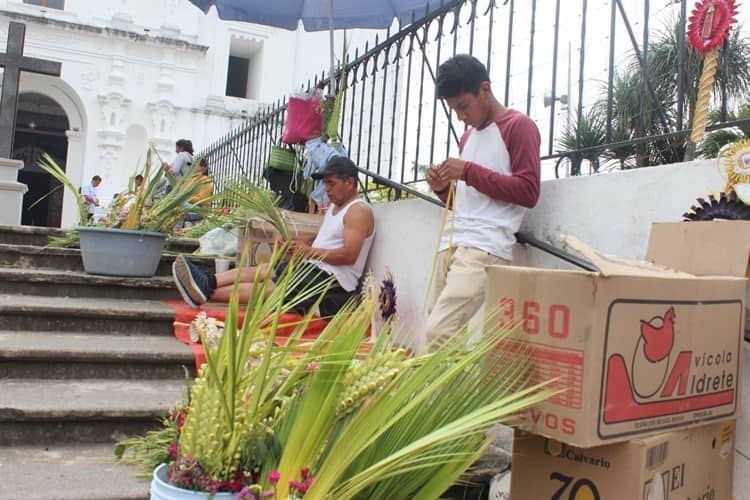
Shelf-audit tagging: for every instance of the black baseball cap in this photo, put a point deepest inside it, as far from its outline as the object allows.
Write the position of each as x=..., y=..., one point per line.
x=339, y=165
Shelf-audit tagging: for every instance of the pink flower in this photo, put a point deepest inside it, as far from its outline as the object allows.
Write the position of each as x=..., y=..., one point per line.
x=305, y=472
x=179, y=417
x=297, y=485
x=173, y=449
x=274, y=477
x=313, y=367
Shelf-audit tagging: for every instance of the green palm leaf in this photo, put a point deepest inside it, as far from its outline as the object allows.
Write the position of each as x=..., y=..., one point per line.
x=51, y=167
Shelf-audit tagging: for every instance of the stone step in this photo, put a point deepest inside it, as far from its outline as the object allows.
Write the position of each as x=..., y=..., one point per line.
x=63, y=355
x=28, y=235
x=51, y=283
x=176, y=244
x=68, y=472
x=41, y=411
x=39, y=236
x=85, y=315
x=68, y=259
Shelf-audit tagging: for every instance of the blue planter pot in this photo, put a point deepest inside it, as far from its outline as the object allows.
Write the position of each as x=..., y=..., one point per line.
x=120, y=252
x=162, y=490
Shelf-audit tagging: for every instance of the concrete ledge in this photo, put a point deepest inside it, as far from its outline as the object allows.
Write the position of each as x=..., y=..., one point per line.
x=55, y=346
x=70, y=471
x=77, y=278
x=85, y=307
x=54, y=400
x=13, y=186
x=9, y=170
x=34, y=313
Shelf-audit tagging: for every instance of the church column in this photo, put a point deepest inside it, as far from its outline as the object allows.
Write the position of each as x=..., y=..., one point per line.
x=11, y=192
x=163, y=112
x=114, y=106
x=74, y=171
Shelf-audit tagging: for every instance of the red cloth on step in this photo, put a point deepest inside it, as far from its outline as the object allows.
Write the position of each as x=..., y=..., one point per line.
x=184, y=315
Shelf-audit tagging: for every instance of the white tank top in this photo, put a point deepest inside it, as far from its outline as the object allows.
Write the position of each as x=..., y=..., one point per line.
x=330, y=236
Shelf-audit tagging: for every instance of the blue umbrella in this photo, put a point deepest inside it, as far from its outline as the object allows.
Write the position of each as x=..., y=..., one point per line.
x=319, y=15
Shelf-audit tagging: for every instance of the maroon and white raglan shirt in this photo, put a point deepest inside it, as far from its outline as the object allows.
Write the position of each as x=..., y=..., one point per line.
x=501, y=182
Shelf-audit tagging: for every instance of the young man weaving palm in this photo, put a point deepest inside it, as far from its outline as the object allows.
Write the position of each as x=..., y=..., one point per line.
x=496, y=179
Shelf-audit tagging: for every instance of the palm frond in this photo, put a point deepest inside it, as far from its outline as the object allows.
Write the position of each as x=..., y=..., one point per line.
x=51, y=167
x=163, y=214
x=251, y=201
x=584, y=131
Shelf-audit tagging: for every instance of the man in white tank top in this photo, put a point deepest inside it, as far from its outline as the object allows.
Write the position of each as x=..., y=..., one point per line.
x=340, y=249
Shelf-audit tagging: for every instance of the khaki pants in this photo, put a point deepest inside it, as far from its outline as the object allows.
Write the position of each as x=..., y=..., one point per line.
x=456, y=296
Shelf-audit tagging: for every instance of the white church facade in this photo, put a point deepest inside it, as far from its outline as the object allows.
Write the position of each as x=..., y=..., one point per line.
x=139, y=72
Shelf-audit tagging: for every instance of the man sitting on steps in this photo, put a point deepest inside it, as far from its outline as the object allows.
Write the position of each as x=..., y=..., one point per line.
x=340, y=249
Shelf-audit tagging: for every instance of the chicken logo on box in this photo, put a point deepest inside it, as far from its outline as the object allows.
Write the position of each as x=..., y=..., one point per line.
x=668, y=363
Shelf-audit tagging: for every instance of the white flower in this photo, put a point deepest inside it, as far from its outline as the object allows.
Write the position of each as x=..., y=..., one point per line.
x=209, y=327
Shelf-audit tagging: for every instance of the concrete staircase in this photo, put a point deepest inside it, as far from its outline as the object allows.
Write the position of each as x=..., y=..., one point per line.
x=84, y=361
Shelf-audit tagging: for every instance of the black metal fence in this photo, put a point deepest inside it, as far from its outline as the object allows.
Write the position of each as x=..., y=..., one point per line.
x=393, y=126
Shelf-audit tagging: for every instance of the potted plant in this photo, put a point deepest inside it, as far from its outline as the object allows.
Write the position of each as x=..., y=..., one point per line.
x=337, y=417
x=131, y=241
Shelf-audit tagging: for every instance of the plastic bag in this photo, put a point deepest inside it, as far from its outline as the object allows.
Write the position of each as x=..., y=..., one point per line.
x=303, y=119
x=219, y=241
x=319, y=153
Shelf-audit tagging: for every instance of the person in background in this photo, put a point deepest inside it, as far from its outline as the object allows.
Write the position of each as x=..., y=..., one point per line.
x=205, y=191
x=206, y=185
x=496, y=180
x=90, y=194
x=182, y=162
x=137, y=183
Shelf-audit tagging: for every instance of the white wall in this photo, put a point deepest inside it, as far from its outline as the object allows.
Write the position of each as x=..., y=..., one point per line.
x=611, y=212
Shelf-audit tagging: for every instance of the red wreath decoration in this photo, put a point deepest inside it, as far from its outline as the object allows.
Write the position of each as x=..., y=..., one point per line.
x=704, y=37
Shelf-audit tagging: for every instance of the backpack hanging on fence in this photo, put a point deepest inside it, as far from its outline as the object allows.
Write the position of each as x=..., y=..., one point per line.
x=283, y=176
x=282, y=158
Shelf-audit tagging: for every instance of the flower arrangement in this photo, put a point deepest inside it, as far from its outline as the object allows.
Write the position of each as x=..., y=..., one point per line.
x=336, y=417
x=144, y=209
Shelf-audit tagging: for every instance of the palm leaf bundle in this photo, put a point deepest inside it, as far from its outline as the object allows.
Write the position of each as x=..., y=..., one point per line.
x=234, y=398
x=332, y=110
x=170, y=209
x=164, y=213
x=416, y=436
x=337, y=418
x=251, y=201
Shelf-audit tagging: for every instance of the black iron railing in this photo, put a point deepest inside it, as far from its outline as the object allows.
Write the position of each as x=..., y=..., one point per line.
x=393, y=127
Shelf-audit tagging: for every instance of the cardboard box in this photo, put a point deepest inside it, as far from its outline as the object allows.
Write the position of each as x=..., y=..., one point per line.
x=634, y=349
x=702, y=248
x=259, y=236
x=691, y=464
